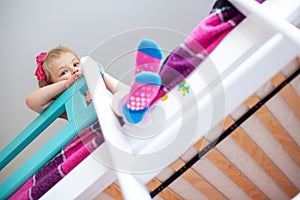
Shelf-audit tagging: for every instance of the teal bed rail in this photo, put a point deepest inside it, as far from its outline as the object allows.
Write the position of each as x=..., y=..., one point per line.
x=80, y=115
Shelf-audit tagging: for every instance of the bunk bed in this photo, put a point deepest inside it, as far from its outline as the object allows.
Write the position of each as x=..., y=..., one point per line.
x=267, y=41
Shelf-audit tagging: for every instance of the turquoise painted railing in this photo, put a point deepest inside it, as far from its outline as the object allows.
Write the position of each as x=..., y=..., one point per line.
x=73, y=102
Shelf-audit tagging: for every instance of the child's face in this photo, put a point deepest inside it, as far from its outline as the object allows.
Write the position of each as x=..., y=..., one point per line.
x=64, y=67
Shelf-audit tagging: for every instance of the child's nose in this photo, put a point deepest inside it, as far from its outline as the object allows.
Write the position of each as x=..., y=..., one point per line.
x=75, y=71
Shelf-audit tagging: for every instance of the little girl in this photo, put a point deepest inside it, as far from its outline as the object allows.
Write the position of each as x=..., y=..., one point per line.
x=56, y=71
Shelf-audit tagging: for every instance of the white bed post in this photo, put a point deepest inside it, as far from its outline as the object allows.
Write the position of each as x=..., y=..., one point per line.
x=131, y=187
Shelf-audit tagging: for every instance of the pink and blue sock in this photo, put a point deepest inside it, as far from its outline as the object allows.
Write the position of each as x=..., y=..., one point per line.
x=146, y=82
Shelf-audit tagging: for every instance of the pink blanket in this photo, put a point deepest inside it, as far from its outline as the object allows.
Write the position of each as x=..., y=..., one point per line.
x=70, y=156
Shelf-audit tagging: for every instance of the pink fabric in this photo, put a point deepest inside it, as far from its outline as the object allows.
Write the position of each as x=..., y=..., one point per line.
x=71, y=155
x=209, y=33
x=198, y=45
x=39, y=70
x=146, y=63
x=141, y=94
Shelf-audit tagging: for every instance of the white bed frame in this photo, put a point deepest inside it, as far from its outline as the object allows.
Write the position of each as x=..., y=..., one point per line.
x=267, y=41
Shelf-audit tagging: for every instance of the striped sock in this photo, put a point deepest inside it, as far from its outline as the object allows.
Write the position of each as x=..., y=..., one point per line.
x=146, y=82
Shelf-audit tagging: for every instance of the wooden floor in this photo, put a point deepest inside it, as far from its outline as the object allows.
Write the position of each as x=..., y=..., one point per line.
x=259, y=160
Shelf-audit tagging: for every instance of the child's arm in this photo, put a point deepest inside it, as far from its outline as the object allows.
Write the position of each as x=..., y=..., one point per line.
x=112, y=84
x=41, y=98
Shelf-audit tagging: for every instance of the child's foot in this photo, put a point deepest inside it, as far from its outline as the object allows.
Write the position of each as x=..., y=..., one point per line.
x=146, y=82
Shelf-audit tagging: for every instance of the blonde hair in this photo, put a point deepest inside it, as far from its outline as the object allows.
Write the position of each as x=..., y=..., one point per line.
x=54, y=53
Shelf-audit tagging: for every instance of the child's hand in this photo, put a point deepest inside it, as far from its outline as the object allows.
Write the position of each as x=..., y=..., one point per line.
x=73, y=78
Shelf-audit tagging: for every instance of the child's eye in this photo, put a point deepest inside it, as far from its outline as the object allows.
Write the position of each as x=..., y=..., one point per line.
x=64, y=72
x=76, y=64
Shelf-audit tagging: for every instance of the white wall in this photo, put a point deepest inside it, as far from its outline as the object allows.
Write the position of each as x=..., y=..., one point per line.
x=29, y=27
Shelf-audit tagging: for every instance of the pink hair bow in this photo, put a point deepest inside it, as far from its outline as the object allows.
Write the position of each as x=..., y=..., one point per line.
x=39, y=71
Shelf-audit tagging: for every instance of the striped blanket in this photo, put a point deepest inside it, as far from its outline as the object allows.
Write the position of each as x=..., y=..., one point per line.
x=70, y=156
